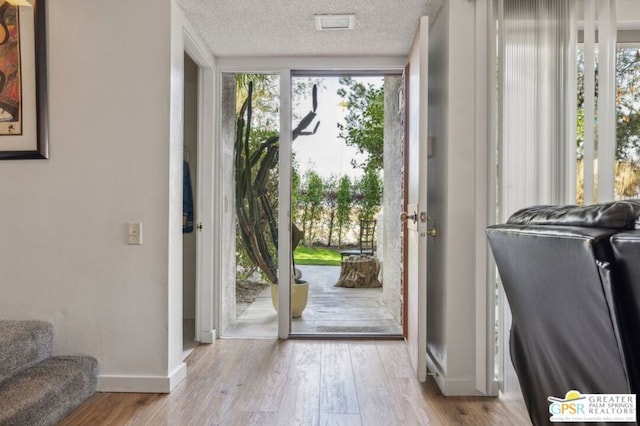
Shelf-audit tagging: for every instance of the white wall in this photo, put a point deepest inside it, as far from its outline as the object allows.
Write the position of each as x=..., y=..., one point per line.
x=451, y=289
x=64, y=253
x=460, y=222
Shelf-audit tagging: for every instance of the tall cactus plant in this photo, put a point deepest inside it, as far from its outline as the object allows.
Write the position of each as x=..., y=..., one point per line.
x=257, y=222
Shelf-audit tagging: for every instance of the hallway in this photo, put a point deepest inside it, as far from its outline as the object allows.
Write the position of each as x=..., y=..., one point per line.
x=298, y=382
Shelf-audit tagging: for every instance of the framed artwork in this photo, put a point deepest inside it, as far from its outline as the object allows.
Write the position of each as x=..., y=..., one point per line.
x=23, y=80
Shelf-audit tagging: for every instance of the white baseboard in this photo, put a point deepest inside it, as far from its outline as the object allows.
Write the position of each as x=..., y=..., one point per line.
x=208, y=336
x=449, y=386
x=142, y=384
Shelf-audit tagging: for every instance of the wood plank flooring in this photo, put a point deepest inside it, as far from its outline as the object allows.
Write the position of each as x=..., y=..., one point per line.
x=298, y=382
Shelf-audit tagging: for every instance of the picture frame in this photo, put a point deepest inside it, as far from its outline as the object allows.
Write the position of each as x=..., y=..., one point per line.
x=24, y=132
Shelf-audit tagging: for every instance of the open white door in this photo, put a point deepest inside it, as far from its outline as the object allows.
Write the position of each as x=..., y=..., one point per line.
x=415, y=215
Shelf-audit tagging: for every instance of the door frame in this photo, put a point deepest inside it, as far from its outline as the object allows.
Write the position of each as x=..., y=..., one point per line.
x=284, y=206
x=285, y=67
x=285, y=168
x=405, y=198
x=206, y=306
x=486, y=165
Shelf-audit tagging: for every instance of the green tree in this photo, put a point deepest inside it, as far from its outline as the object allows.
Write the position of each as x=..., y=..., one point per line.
x=311, y=196
x=266, y=96
x=331, y=204
x=265, y=99
x=295, y=191
x=368, y=194
x=364, y=122
x=343, y=205
x=627, y=104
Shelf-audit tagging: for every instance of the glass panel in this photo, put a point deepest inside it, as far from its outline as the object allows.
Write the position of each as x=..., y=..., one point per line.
x=627, y=169
x=250, y=136
x=580, y=130
x=627, y=154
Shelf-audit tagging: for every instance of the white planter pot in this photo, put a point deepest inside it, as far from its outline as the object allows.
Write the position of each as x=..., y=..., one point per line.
x=299, y=296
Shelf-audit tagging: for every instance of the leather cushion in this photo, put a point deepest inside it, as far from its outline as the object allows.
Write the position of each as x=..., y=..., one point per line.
x=620, y=215
x=626, y=248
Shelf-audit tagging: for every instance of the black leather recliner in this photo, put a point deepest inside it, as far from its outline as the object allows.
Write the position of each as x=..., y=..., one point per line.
x=626, y=276
x=561, y=278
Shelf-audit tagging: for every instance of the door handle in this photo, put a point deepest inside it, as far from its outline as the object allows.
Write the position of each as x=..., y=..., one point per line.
x=432, y=232
x=404, y=216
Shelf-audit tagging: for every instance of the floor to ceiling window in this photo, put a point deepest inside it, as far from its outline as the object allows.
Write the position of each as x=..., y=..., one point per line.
x=568, y=102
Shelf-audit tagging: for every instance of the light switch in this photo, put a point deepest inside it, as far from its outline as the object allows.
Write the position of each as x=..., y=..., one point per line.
x=135, y=233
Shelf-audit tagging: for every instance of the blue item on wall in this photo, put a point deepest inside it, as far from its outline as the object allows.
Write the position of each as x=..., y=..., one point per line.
x=187, y=200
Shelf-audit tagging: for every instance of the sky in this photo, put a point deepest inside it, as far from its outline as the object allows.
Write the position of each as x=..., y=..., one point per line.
x=324, y=151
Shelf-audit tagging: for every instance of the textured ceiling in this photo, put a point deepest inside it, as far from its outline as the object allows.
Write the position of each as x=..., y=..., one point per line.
x=287, y=27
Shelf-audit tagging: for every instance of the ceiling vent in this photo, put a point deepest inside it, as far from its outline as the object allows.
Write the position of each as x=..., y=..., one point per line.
x=335, y=22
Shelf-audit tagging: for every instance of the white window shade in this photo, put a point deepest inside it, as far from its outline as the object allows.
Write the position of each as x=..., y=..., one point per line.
x=536, y=55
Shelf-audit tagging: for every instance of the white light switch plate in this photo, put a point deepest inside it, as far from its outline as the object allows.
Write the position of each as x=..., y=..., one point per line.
x=134, y=235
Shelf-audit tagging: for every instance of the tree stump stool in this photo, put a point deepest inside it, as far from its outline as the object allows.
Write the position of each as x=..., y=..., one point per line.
x=359, y=272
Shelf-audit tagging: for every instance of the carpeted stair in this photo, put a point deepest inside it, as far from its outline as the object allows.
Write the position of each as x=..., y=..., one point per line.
x=35, y=387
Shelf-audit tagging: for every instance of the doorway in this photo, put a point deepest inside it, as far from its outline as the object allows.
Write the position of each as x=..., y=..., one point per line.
x=319, y=228
x=189, y=189
x=344, y=175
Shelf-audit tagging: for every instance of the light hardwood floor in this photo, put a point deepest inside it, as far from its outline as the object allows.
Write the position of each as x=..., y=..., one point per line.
x=298, y=382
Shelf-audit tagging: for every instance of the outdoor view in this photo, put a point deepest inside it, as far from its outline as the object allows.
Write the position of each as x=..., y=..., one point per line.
x=627, y=172
x=336, y=195
x=337, y=172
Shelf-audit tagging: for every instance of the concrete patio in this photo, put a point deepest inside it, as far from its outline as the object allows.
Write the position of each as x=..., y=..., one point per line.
x=330, y=311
